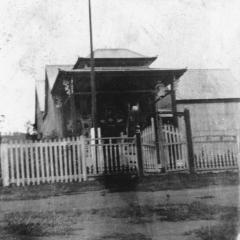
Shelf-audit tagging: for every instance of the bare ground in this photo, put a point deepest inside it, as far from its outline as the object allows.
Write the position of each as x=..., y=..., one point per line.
x=197, y=211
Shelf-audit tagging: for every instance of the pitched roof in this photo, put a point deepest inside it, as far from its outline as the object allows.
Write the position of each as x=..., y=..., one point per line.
x=52, y=72
x=207, y=84
x=40, y=91
x=116, y=53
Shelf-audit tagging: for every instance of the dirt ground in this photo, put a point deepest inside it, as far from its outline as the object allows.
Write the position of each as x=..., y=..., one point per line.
x=194, y=212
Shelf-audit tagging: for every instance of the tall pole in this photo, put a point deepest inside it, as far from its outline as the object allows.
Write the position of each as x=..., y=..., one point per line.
x=93, y=86
x=92, y=74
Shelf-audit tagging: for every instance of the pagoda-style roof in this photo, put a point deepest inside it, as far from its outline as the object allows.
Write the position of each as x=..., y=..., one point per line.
x=115, y=58
x=148, y=74
x=116, y=63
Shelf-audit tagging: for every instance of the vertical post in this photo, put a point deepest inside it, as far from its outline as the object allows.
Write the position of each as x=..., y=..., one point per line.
x=161, y=141
x=92, y=76
x=189, y=140
x=156, y=125
x=173, y=100
x=73, y=106
x=4, y=162
x=83, y=158
x=139, y=151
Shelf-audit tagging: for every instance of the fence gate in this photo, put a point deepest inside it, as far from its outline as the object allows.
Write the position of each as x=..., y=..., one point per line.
x=172, y=145
x=111, y=155
x=175, y=148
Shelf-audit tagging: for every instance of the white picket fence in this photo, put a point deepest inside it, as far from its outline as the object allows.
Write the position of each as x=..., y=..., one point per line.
x=215, y=152
x=43, y=161
x=74, y=159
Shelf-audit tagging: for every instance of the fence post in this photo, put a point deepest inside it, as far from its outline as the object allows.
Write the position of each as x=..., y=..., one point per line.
x=189, y=140
x=161, y=144
x=139, y=151
x=4, y=163
x=156, y=129
x=83, y=149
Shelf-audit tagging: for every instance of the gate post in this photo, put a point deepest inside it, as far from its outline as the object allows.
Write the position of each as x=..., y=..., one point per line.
x=4, y=165
x=139, y=151
x=189, y=140
x=161, y=146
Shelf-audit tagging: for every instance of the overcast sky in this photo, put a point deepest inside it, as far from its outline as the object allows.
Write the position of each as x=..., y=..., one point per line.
x=183, y=33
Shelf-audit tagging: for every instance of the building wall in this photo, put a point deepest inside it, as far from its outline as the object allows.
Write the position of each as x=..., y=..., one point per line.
x=210, y=118
x=38, y=116
x=51, y=125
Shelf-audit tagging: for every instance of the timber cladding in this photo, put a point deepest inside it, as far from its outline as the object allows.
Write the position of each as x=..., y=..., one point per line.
x=212, y=116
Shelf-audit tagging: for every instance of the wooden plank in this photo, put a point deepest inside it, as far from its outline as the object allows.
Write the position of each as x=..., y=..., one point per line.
x=17, y=163
x=37, y=163
x=74, y=162
x=27, y=164
x=111, y=155
x=65, y=160
x=69, y=153
x=107, y=159
x=5, y=166
x=56, y=160
x=47, y=156
x=32, y=165
x=60, y=159
x=12, y=168
x=41, y=148
x=79, y=159
x=84, y=170
x=22, y=164
x=51, y=162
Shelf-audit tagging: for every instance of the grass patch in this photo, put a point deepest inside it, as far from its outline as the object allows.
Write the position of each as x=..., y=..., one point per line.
x=64, y=223
x=168, y=212
x=40, y=224
x=226, y=229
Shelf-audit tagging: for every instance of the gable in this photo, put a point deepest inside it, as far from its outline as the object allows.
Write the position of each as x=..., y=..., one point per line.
x=52, y=72
x=116, y=53
x=40, y=94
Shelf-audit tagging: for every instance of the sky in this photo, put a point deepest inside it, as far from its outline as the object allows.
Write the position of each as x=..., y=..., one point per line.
x=183, y=33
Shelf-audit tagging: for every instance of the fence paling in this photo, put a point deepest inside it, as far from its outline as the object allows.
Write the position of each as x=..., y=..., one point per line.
x=211, y=153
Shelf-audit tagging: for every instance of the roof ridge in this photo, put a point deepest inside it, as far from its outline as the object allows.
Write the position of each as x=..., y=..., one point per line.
x=209, y=69
x=58, y=65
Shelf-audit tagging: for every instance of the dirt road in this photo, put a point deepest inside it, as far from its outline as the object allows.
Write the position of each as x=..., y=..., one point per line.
x=102, y=215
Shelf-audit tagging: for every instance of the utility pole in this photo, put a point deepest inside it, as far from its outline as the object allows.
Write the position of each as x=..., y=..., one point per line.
x=92, y=74
x=93, y=85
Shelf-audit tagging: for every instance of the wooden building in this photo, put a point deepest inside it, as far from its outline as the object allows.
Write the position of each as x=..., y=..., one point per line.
x=213, y=99
x=124, y=81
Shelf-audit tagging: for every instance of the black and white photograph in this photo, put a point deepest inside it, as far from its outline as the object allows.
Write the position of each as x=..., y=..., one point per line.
x=119, y=119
